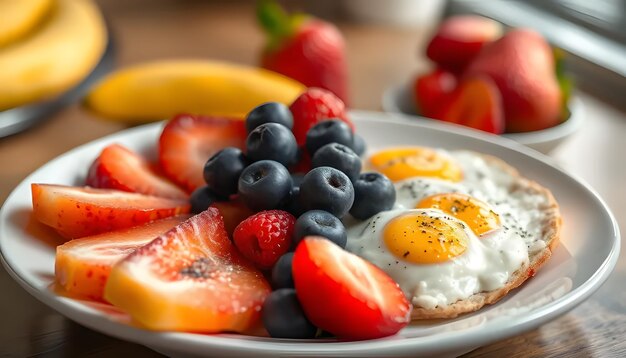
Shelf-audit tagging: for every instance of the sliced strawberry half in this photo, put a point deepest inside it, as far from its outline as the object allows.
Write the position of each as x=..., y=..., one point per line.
x=188, y=141
x=476, y=103
x=189, y=279
x=82, y=211
x=343, y=294
x=82, y=266
x=120, y=168
x=431, y=91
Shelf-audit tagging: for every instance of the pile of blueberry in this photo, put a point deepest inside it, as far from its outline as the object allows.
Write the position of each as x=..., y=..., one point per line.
x=319, y=199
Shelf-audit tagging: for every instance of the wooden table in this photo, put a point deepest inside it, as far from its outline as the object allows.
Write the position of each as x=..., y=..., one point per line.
x=379, y=57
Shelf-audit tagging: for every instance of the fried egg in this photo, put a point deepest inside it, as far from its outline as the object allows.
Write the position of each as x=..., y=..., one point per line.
x=462, y=224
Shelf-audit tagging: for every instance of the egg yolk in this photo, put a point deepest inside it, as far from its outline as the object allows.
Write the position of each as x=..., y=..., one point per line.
x=475, y=213
x=422, y=239
x=403, y=163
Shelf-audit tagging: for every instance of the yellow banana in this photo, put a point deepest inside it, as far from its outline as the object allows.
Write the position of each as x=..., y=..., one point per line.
x=162, y=89
x=62, y=52
x=19, y=17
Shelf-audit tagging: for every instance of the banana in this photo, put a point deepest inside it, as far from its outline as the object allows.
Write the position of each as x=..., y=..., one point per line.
x=62, y=52
x=158, y=90
x=19, y=17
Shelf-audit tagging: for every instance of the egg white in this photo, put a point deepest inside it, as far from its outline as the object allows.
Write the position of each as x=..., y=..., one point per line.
x=485, y=265
x=488, y=262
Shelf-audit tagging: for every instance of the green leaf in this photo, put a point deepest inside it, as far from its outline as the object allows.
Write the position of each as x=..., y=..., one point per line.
x=276, y=22
x=566, y=84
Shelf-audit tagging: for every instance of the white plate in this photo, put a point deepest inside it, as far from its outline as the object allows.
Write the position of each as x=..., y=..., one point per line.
x=589, y=251
x=399, y=99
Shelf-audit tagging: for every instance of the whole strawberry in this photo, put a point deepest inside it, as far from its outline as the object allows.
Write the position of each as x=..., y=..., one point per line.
x=313, y=106
x=309, y=50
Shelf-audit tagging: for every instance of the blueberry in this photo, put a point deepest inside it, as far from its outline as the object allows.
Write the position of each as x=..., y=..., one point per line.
x=282, y=277
x=283, y=316
x=292, y=204
x=373, y=193
x=270, y=112
x=328, y=189
x=340, y=157
x=202, y=198
x=222, y=171
x=272, y=141
x=320, y=223
x=264, y=185
x=326, y=132
x=358, y=145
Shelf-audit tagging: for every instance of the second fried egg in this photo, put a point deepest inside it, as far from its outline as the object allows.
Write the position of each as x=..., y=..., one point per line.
x=436, y=258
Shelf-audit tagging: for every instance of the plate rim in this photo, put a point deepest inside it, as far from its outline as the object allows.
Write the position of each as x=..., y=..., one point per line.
x=453, y=340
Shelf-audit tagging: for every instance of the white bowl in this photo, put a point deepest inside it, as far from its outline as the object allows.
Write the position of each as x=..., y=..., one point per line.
x=399, y=99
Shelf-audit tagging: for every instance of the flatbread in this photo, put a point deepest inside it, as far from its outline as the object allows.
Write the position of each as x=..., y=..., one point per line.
x=550, y=235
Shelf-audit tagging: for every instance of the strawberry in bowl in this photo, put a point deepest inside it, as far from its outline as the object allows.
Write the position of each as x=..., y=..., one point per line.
x=507, y=83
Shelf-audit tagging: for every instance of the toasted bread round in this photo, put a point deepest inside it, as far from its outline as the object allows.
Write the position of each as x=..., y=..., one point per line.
x=551, y=226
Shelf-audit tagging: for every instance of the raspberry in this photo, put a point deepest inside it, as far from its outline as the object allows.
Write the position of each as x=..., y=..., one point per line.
x=313, y=106
x=265, y=236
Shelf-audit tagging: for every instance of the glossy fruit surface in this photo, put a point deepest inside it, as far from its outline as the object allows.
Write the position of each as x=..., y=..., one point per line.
x=269, y=112
x=373, y=193
x=328, y=189
x=117, y=167
x=320, y=223
x=188, y=141
x=309, y=50
x=164, y=88
x=189, y=279
x=265, y=185
x=82, y=211
x=264, y=237
x=432, y=90
x=340, y=157
x=521, y=65
x=459, y=39
x=313, y=106
x=476, y=103
x=82, y=266
x=283, y=316
x=346, y=295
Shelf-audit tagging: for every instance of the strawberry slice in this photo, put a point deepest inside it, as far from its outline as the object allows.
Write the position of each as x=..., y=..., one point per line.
x=189, y=279
x=476, y=103
x=78, y=212
x=188, y=141
x=82, y=266
x=120, y=168
x=313, y=106
x=343, y=294
x=431, y=91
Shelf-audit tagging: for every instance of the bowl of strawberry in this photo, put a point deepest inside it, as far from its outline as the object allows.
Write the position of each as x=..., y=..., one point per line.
x=508, y=83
